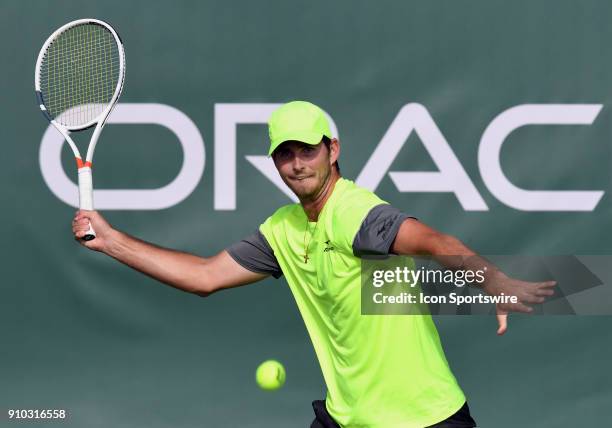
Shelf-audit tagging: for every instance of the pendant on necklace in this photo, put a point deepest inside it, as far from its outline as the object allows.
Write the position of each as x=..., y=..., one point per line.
x=305, y=258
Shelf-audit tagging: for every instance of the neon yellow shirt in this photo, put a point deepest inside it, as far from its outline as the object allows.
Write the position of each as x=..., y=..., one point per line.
x=386, y=371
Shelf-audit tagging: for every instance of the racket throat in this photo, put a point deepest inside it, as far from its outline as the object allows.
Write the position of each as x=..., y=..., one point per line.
x=81, y=164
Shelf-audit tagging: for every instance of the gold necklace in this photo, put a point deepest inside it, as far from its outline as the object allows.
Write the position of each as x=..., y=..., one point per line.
x=310, y=240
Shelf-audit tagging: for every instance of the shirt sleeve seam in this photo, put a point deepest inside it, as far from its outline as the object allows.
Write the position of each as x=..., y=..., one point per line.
x=251, y=267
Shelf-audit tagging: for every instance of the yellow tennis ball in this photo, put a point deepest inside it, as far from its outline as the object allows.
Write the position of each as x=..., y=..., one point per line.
x=270, y=375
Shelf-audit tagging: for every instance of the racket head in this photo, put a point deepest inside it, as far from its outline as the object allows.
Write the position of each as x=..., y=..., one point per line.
x=79, y=74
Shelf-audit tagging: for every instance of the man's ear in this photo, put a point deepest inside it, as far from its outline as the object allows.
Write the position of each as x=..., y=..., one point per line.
x=334, y=149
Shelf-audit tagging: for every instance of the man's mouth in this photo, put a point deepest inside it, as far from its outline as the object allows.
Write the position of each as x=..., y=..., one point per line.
x=300, y=178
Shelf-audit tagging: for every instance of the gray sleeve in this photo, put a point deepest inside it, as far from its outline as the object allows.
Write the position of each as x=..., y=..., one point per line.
x=378, y=230
x=255, y=254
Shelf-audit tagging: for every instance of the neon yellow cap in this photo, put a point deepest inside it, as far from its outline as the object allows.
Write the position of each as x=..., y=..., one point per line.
x=297, y=121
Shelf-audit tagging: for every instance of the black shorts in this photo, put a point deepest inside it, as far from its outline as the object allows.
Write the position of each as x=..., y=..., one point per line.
x=461, y=419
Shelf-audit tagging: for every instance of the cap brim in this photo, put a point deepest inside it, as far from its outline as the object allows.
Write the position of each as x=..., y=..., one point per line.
x=312, y=138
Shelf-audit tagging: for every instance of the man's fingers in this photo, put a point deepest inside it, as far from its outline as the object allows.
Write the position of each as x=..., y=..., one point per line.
x=82, y=223
x=537, y=293
x=547, y=284
x=544, y=292
x=82, y=214
x=519, y=307
x=502, y=321
x=532, y=298
x=527, y=293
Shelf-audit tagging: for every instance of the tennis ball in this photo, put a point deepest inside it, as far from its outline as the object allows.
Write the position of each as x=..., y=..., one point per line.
x=270, y=375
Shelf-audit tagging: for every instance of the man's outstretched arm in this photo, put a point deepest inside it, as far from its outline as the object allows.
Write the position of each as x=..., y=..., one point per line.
x=415, y=238
x=181, y=270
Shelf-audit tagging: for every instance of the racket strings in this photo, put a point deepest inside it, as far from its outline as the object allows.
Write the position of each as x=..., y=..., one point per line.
x=79, y=74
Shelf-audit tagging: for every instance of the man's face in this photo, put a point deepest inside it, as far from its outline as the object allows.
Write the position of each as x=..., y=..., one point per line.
x=303, y=167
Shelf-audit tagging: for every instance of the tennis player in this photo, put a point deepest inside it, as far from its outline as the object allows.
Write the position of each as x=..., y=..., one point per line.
x=381, y=371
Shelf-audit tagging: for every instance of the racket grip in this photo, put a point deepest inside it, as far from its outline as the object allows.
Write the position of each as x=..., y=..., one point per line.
x=86, y=197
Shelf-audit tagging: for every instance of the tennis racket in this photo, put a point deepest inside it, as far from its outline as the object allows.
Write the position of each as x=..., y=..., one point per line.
x=78, y=79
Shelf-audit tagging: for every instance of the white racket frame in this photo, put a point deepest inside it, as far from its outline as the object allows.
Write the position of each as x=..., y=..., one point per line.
x=84, y=168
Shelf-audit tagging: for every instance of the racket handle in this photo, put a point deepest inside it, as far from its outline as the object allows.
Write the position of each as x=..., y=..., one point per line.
x=86, y=197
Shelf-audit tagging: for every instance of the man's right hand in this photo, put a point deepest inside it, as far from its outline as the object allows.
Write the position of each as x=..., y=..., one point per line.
x=104, y=231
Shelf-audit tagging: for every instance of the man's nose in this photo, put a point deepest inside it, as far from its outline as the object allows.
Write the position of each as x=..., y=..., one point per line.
x=297, y=163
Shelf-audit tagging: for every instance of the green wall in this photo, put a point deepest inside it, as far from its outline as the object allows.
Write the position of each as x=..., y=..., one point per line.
x=116, y=349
